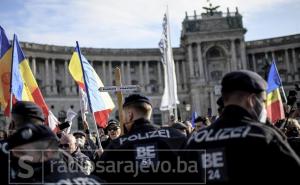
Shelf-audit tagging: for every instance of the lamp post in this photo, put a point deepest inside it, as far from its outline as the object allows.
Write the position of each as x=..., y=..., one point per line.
x=187, y=109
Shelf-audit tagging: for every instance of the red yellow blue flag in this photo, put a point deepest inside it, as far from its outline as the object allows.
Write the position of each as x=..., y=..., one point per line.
x=274, y=102
x=87, y=79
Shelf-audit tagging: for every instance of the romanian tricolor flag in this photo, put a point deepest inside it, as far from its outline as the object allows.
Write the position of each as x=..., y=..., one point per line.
x=5, y=70
x=24, y=86
x=87, y=79
x=274, y=102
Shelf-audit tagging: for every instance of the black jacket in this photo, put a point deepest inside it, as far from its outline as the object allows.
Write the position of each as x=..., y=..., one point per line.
x=238, y=150
x=4, y=160
x=143, y=148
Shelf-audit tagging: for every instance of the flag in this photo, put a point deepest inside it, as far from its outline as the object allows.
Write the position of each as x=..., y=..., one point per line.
x=5, y=72
x=194, y=116
x=23, y=85
x=70, y=116
x=83, y=104
x=53, y=122
x=274, y=104
x=100, y=103
x=170, y=98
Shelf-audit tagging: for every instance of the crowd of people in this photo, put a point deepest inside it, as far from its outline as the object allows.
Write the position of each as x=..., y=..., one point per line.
x=239, y=146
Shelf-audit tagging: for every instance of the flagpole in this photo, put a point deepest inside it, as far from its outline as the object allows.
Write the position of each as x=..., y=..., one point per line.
x=172, y=60
x=11, y=76
x=88, y=95
x=281, y=86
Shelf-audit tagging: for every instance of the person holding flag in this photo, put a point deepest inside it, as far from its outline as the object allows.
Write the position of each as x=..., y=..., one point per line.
x=100, y=103
x=274, y=103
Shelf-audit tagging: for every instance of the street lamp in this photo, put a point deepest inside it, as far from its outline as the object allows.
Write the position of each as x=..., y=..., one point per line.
x=188, y=109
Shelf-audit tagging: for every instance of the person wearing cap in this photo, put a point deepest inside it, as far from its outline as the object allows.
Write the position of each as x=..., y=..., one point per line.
x=86, y=145
x=113, y=131
x=142, y=146
x=36, y=159
x=23, y=112
x=239, y=147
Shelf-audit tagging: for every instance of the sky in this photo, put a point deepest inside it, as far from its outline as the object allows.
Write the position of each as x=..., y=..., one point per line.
x=134, y=23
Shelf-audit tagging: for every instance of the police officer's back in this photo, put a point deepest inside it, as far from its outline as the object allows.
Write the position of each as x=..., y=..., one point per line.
x=239, y=147
x=22, y=112
x=36, y=159
x=143, y=146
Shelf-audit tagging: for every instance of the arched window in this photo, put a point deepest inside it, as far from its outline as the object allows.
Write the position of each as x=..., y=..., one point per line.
x=216, y=75
x=215, y=52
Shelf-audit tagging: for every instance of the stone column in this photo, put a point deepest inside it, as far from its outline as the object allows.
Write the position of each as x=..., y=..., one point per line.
x=243, y=54
x=124, y=78
x=67, y=83
x=191, y=62
x=254, y=62
x=287, y=62
x=266, y=56
x=147, y=76
x=54, y=87
x=103, y=75
x=273, y=56
x=178, y=81
x=110, y=78
x=200, y=62
x=233, y=56
x=141, y=74
x=92, y=63
x=33, y=66
x=128, y=73
x=212, y=101
x=47, y=77
x=160, y=83
x=295, y=65
x=184, y=75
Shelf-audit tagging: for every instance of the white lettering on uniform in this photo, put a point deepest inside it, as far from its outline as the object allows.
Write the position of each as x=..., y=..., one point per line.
x=221, y=134
x=212, y=160
x=148, y=135
x=132, y=138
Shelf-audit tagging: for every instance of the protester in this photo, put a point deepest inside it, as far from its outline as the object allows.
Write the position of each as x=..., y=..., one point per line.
x=3, y=135
x=113, y=131
x=291, y=129
x=182, y=128
x=189, y=126
x=201, y=122
x=142, y=146
x=87, y=147
x=239, y=147
x=37, y=160
x=68, y=143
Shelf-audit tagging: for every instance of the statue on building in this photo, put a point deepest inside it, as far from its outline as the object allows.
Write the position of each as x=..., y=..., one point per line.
x=211, y=10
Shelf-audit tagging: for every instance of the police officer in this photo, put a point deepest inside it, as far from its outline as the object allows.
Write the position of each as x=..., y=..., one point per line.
x=143, y=148
x=22, y=112
x=35, y=148
x=239, y=147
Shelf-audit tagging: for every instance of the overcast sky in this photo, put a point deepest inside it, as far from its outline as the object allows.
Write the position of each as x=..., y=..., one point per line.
x=133, y=23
